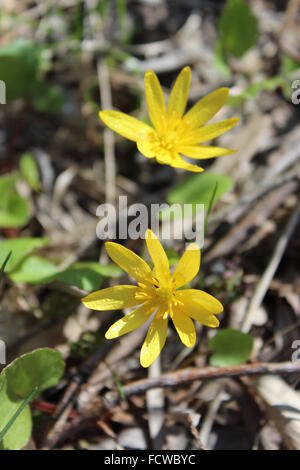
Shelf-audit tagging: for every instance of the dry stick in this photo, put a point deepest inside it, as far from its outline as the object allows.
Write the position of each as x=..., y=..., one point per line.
x=106, y=103
x=210, y=415
x=268, y=275
x=155, y=404
x=175, y=379
x=186, y=376
x=109, y=142
x=195, y=433
x=53, y=436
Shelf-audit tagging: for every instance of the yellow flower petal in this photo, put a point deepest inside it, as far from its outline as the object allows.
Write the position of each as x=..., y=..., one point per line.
x=164, y=156
x=125, y=125
x=203, y=152
x=210, y=132
x=155, y=100
x=172, y=158
x=155, y=340
x=159, y=257
x=178, y=162
x=179, y=94
x=197, y=312
x=185, y=328
x=112, y=298
x=129, y=261
x=131, y=321
x=188, y=266
x=146, y=148
x=196, y=297
x=211, y=321
x=206, y=108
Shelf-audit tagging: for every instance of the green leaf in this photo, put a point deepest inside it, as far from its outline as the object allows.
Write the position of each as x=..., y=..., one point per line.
x=48, y=98
x=13, y=208
x=19, y=383
x=197, y=189
x=85, y=275
x=230, y=348
x=20, y=247
x=19, y=433
x=19, y=64
x=30, y=171
x=34, y=270
x=238, y=28
x=40, y=369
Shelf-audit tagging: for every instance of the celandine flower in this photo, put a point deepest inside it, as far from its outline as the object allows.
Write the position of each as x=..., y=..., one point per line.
x=174, y=134
x=157, y=294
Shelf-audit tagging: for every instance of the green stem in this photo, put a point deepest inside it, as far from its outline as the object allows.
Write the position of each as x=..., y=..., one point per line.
x=211, y=201
x=16, y=414
x=4, y=264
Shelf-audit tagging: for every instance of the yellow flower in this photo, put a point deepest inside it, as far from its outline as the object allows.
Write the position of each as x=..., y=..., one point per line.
x=157, y=293
x=174, y=134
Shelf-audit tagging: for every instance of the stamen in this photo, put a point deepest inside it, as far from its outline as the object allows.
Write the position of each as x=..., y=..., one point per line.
x=142, y=296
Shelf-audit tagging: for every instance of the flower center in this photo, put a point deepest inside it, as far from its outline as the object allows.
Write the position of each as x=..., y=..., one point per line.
x=165, y=294
x=167, y=141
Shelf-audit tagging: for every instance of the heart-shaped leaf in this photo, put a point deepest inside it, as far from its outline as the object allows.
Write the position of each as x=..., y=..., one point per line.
x=20, y=248
x=238, y=28
x=20, y=382
x=39, y=369
x=230, y=348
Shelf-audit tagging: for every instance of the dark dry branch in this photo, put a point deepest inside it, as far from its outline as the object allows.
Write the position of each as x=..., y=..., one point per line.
x=185, y=376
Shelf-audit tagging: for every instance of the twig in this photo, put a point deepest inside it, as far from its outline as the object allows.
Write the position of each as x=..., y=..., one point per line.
x=268, y=275
x=109, y=141
x=106, y=103
x=186, y=376
x=195, y=433
x=210, y=415
x=54, y=435
x=155, y=405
